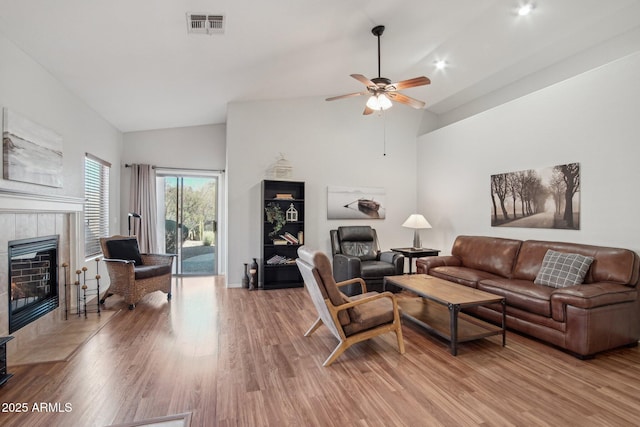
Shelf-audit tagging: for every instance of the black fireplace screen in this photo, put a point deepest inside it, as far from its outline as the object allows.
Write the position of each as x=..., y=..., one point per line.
x=33, y=279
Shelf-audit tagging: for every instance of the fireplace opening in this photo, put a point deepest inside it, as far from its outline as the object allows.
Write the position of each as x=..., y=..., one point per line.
x=33, y=279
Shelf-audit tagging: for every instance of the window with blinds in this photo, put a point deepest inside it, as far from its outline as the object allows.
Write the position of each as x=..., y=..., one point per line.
x=96, y=208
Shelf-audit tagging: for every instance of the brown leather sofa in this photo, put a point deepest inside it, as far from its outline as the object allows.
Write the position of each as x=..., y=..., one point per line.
x=600, y=314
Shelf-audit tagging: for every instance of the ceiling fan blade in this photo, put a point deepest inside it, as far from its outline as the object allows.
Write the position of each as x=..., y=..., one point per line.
x=404, y=99
x=349, y=95
x=367, y=111
x=404, y=84
x=362, y=79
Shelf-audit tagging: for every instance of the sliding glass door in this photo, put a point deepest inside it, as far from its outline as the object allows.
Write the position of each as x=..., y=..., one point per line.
x=188, y=204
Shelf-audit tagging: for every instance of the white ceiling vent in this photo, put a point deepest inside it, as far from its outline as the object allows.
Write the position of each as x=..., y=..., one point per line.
x=201, y=23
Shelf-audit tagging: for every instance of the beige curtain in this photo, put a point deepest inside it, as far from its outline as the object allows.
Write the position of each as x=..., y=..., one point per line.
x=142, y=201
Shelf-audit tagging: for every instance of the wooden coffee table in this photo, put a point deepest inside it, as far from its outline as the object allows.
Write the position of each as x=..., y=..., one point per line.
x=437, y=308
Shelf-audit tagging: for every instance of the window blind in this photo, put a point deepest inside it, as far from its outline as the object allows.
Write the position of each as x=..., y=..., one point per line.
x=96, y=208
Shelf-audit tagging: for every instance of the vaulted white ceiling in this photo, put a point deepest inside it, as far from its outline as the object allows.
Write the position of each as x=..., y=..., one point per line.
x=134, y=63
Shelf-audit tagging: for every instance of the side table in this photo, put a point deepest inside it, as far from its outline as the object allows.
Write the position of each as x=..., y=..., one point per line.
x=412, y=253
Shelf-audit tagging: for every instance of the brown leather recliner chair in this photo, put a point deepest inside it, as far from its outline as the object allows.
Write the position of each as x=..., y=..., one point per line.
x=356, y=253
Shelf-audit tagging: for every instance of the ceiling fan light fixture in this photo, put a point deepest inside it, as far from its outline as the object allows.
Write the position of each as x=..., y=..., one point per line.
x=525, y=9
x=381, y=90
x=379, y=102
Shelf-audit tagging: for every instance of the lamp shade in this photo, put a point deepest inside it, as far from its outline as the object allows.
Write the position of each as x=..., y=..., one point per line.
x=416, y=221
x=379, y=102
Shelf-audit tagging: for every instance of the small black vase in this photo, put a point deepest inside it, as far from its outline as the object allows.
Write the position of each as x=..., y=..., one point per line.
x=254, y=266
x=245, y=276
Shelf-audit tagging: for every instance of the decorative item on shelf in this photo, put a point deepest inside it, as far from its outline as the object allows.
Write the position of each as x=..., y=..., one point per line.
x=292, y=214
x=290, y=238
x=280, y=242
x=279, y=259
x=254, y=267
x=281, y=169
x=417, y=222
x=245, y=276
x=284, y=196
x=276, y=217
x=301, y=237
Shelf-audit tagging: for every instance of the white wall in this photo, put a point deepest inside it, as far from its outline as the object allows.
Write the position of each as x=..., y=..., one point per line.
x=592, y=119
x=195, y=147
x=30, y=90
x=328, y=143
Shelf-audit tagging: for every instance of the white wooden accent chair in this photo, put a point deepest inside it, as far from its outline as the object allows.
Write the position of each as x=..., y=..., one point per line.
x=350, y=319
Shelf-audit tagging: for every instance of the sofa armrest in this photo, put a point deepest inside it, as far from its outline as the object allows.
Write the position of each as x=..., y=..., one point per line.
x=157, y=259
x=346, y=267
x=120, y=269
x=395, y=258
x=424, y=264
x=118, y=261
x=590, y=296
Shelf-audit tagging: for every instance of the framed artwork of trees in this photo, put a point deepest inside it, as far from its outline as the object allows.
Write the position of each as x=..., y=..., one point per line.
x=543, y=198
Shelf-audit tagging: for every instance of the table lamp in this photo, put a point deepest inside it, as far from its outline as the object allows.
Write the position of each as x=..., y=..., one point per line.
x=417, y=222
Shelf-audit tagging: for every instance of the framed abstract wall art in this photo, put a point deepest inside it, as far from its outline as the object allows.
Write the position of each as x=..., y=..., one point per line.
x=543, y=198
x=355, y=203
x=31, y=152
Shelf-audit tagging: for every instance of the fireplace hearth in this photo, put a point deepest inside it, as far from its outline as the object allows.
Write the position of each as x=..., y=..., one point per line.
x=33, y=279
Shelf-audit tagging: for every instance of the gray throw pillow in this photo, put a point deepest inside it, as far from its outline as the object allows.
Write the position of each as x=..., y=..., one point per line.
x=560, y=270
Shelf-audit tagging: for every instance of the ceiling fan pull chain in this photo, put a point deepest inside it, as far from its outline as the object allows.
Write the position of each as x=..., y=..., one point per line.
x=384, y=133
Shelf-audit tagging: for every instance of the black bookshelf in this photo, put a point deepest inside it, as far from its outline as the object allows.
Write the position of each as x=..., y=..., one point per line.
x=279, y=248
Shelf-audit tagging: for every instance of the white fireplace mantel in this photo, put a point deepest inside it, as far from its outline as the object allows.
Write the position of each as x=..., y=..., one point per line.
x=18, y=201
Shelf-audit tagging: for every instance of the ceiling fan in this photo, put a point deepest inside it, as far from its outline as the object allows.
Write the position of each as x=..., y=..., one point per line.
x=380, y=89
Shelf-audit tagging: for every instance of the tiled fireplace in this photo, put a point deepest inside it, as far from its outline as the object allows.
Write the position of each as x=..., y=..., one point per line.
x=24, y=216
x=33, y=279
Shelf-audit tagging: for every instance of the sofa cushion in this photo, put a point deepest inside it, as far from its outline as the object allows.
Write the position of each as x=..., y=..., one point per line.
x=372, y=269
x=461, y=275
x=560, y=270
x=490, y=254
x=358, y=241
x=126, y=249
x=149, y=271
x=368, y=315
x=522, y=294
x=610, y=264
x=327, y=283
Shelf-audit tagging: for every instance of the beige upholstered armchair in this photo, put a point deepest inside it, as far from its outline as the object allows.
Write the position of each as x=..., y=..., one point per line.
x=132, y=274
x=350, y=319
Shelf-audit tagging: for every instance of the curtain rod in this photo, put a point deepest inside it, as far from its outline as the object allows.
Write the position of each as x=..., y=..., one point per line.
x=181, y=169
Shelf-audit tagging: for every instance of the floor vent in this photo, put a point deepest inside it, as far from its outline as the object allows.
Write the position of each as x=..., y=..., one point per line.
x=200, y=23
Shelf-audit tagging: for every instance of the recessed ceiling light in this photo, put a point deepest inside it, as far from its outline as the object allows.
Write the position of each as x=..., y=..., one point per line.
x=441, y=64
x=525, y=9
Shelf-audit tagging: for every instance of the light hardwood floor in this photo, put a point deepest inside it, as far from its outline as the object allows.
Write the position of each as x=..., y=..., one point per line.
x=239, y=358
